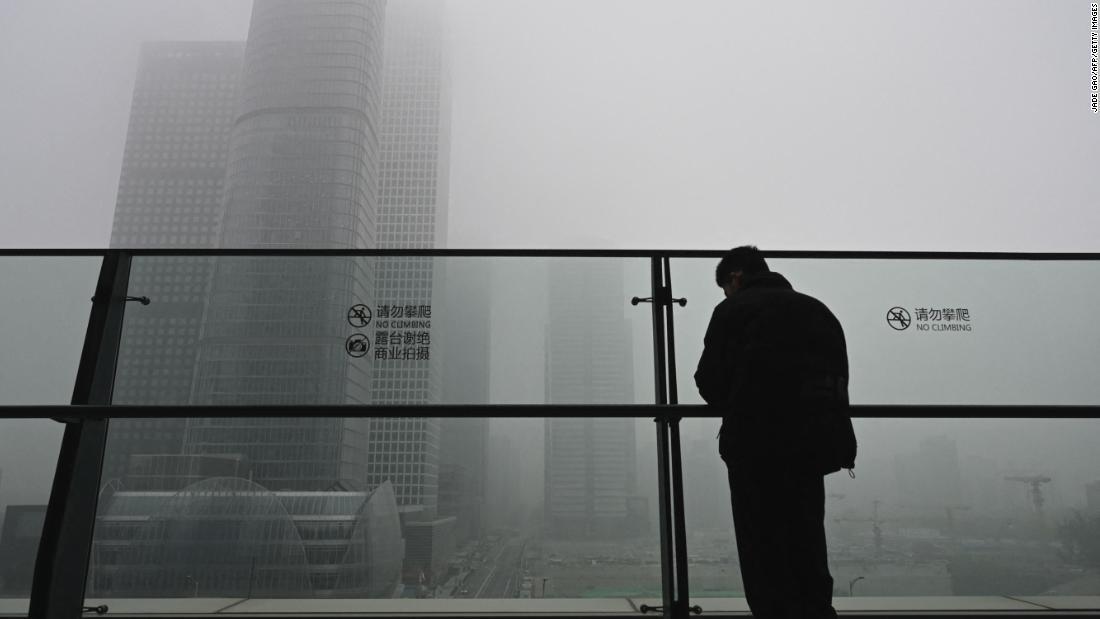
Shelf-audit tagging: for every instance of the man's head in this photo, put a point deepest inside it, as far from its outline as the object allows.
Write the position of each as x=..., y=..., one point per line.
x=735, y=265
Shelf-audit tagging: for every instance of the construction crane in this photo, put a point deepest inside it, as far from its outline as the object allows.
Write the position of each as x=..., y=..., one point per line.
x=1036, y=482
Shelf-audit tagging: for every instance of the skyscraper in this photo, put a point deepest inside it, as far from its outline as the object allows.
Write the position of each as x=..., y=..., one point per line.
x=463, y=472
x=504, y=483
x=413, y=182
x=302, y=172
x=333, y=142
x=169, y=195
x=464, y=446
x=590, y=462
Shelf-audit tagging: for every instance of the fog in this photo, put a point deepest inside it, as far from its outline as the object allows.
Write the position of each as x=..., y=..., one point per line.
x=794, y=125
x=699, y=125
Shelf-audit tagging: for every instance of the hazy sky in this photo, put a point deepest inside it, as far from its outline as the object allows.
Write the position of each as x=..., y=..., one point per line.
x=952, y=126
x=698, y=124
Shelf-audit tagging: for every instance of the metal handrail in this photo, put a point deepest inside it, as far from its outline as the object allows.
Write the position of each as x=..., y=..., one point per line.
x=554, y=253
x=502, y=411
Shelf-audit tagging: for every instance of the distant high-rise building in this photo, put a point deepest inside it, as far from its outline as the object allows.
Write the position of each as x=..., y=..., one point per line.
x=504, y=499
x=462, y=474
x=591, y=470
x=336, y=135
x=413, y=200
x=302, y=173
x=173, y=167
x=169, y=195
x=415, y=135
x=464, y=444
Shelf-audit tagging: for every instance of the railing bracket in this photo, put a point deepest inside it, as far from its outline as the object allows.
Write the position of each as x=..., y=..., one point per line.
x=142, y=300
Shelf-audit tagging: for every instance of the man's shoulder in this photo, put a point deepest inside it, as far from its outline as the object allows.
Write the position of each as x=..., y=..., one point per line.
x=811, y=301
x=807, y=298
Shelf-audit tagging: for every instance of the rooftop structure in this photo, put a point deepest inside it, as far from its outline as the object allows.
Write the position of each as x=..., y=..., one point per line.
x=225, y=537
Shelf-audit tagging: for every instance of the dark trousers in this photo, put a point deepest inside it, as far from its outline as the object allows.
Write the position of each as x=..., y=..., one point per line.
x=779, y=519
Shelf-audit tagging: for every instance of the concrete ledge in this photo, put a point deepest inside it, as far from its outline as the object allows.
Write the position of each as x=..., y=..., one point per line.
x=610, y=607
x=441, y=607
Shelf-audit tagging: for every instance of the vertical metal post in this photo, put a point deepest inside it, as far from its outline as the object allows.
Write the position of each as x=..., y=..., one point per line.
x=61, y=568
x=664, y=499
x=670, y=338
x=659, y=362
x=681, y=601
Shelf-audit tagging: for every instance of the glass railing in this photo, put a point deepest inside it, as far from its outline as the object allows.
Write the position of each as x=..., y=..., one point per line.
x=525, y=511
x=43, y=318
x=936, y=331
x=939, y=508
x=471, y=432
x=397, y=330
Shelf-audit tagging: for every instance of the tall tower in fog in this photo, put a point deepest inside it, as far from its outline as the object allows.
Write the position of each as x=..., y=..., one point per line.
x=169, y=195
x=413, y=192
x=464, y=448
x=590, y=462
x=326, y=131
x=302, y=172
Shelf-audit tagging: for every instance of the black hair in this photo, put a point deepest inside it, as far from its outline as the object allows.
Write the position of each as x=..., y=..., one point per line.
x=746, y=258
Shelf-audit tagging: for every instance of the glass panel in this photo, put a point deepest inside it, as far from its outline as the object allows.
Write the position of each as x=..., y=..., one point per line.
x=470, y=508
x=938, y=509
x=527, y=508
x=28, y=458
x=44, y=310
x=393, y=330
x=969, y=508
x=935, y=331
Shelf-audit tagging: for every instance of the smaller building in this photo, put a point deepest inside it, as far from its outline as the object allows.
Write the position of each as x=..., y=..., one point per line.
x=229, y=537
x=429, y=547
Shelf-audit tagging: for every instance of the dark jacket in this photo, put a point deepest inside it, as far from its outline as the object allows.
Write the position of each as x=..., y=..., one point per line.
x=768, y=353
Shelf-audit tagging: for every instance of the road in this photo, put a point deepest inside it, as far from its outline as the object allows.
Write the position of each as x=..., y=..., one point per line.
x=499, y=576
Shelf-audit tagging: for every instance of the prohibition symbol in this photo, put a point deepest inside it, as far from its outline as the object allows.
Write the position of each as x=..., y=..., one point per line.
x=898, y=318
x=359, y=316
x=357, y=345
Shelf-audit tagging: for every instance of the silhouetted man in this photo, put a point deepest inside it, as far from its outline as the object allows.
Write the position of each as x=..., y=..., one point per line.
x=775, y=361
